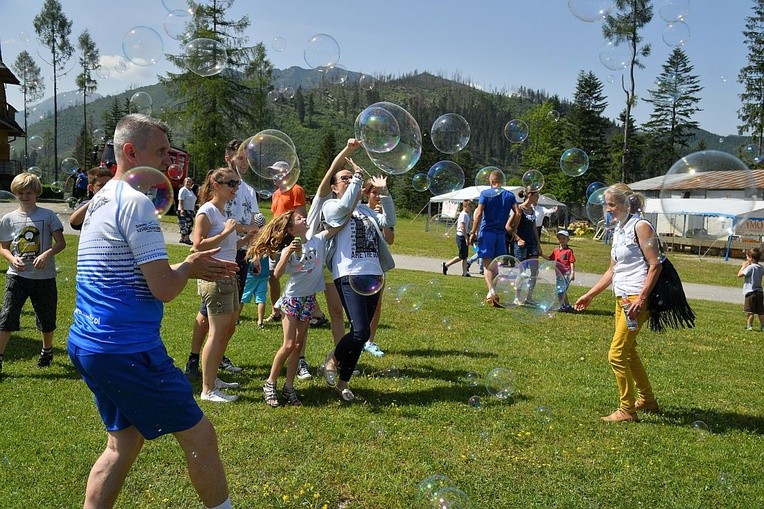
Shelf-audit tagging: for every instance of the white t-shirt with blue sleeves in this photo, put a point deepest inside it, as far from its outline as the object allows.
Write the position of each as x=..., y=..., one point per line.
x=115, y=311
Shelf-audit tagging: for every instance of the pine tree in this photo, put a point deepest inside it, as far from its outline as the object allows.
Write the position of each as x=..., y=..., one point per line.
x=220, y=107
x=674, y=103
x=111, y=118
x=299, y=105
x=53, y=29
x=89, y=56
x=623, y=28
x=751, y=76
x=32, y=87
x=324, y=159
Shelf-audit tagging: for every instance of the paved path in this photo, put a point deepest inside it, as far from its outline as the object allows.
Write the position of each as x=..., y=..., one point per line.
x=420, y=263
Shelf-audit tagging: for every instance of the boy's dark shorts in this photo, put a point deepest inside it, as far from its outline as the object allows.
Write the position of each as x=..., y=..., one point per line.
x=754, y=303
x=44, y=296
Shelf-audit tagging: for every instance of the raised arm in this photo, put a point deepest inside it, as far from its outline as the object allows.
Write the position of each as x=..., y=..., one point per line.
x=325, y=187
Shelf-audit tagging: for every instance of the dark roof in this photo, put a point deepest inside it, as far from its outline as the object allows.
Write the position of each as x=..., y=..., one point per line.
x=6, y=76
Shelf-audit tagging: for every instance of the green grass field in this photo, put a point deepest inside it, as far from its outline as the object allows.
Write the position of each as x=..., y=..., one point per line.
x=411, y=418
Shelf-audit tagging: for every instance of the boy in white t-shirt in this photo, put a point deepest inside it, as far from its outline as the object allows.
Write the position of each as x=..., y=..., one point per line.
x=463, y=224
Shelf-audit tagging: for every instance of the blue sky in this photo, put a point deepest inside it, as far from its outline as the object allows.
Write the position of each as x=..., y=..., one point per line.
x=497, y=44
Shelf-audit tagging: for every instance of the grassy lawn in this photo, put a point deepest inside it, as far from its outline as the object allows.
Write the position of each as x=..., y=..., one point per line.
x=412, y=419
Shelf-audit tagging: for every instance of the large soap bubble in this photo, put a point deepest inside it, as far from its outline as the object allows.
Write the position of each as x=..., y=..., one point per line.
x=322, y=50
x=205, y=57
x=533, y=180
x=445, y=177
x=451, y=498
x=500, y=383
x=36, y=142
x=69, y=165
x=676, y=34
x=593, y=187
x=574, y=162
x=721, y=174
x=366, y=284
x=377, y=129
x=143, y=46
x=516, y=131
x=406, y=153
x=269, y=154
x=537, y=290
x=420, y=183
x=154, y=184
x=590, y=10
x=482, y=177
x=595, y=206
x=336, y=74
x=450, y=133
x=278, y=44
x=367, y=82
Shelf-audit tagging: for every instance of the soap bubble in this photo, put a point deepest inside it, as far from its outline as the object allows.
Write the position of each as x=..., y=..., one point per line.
x=533, y=180
x=516, y=131
x=99, y=135
x=69, y=165
x=500, y=383
x=553, y=115
x=676, y=34
x=288, y=93
x=367, y=82
x=450, y=133
x=450, y=498
x=177, y=24
x=544, y=414
x=590, y=10
x=429, y=486
x=175, y=172
x=154, y=184
x=536, y=290
x=700, y=426
x=420, y=183
x=7, y=196
x=471, y=378
x=674, y=10
x=475, y=402
x=322, y=50
x=120, y=66
x=143, y=46
x=141, y=102
x=444, y=177
x=408, y=150
x=482, y=177
x=336, y=74
x=701, y=170
x=595, y=205
x=205, y=57
x=615, y=57
x=270, y=153
x=36, y=142
x=57, y=187
x=278, y=44
x=103, y=72
x=377, y=129
x=366, y=284
x=35, y=170
x=574, y=162
x=593, y=187
x=408, y=298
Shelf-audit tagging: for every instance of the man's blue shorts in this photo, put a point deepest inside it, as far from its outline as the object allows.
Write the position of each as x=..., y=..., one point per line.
x=142, y=389
x=491, y=244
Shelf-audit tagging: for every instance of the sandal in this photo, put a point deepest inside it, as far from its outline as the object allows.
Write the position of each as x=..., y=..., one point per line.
x=274, y=317
x=318, y=322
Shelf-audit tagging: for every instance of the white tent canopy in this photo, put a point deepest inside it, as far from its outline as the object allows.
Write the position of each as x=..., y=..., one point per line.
x=473, y=193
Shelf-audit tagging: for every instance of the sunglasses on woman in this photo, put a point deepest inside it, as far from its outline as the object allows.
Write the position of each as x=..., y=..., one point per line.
x=233, y=183
x=345, y=178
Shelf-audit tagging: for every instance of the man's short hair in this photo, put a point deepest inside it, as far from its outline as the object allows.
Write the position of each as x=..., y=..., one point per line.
x=135, y=128
x=232, y=147
x=24, y=181
x=98, y=172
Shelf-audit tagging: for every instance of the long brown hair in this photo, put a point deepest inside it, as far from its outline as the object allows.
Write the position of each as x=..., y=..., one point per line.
x=207, y=190
x=273, y=237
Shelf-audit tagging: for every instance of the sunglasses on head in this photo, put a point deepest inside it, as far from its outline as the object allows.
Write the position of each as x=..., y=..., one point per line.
x=233, y=183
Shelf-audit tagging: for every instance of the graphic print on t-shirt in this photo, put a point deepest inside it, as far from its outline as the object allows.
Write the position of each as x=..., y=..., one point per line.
x=27, y=243
x=364, y=237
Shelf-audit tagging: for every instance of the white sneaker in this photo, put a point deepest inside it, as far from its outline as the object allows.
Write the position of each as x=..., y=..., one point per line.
x=219, y=384
x=372, y=348
x=303, y=371
x=218, y=397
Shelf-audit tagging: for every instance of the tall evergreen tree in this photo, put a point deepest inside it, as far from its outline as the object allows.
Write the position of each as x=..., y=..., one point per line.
x=53, y=29
x=623, y=27
x=751, y=76
x=32, y=87
x=674, y=103
x=220, y=107
x=586, y=128
x=89, y=56
x=299, y=105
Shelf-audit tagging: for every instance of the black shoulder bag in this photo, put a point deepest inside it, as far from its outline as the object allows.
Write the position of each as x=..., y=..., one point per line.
x=667, y=304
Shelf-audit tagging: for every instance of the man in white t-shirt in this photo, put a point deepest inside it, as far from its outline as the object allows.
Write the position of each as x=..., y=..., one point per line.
x=123, y=279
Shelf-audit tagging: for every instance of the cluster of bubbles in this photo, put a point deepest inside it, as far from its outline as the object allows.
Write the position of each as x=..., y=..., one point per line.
x=437, y=492
x=529, y=290
x=391, y=137
x=272, y=158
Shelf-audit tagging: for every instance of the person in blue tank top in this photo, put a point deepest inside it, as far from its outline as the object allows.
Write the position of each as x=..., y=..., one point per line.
x=123, y=279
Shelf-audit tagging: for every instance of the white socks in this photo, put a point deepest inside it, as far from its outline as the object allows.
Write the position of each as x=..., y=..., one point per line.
x=224, y=505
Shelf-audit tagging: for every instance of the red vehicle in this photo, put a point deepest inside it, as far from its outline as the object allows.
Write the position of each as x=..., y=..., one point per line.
x=176, y=172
